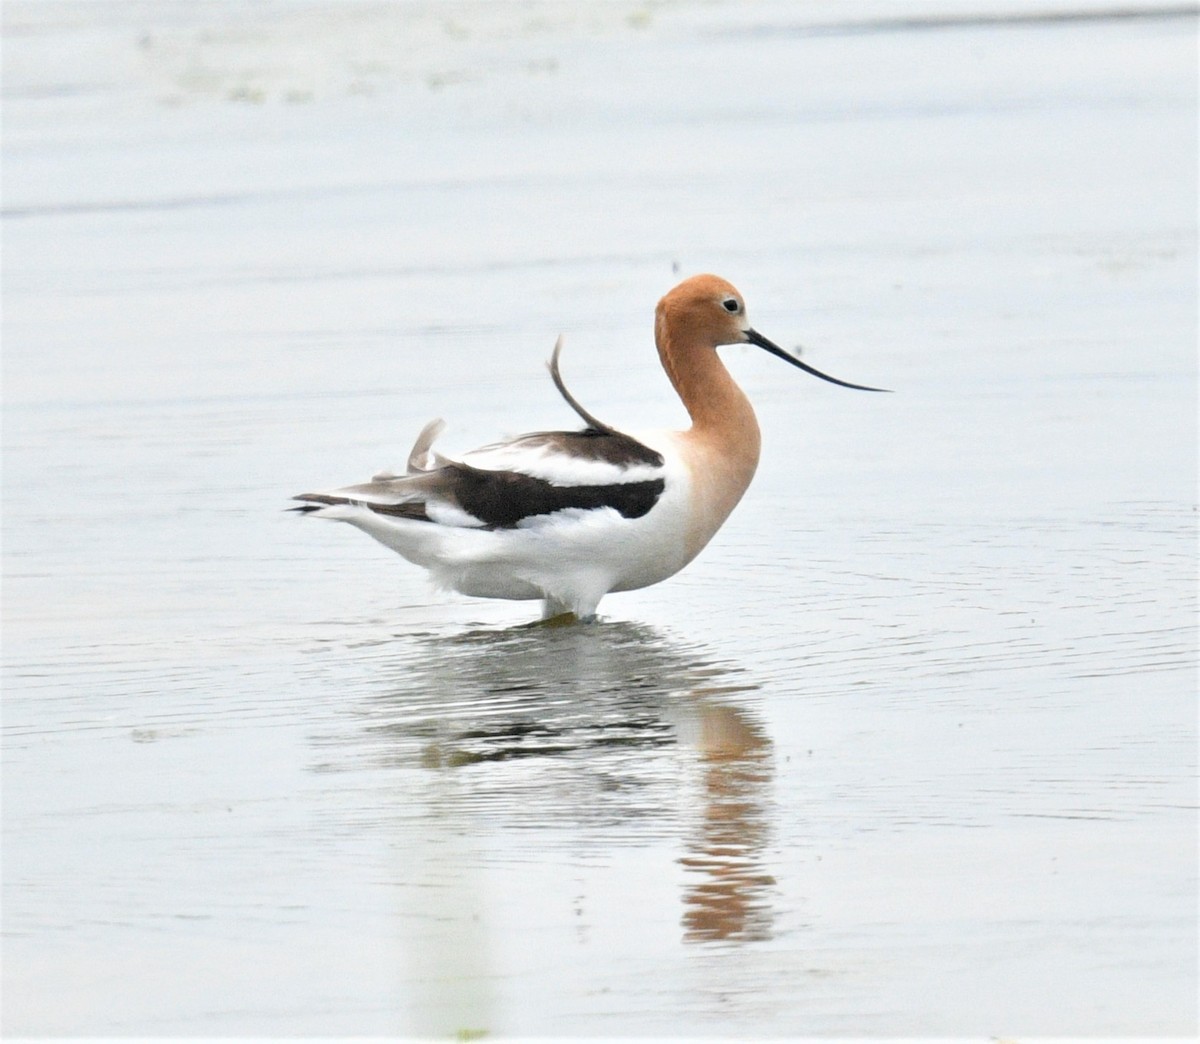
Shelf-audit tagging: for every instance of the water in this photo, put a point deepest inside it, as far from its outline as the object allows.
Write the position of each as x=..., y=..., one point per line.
x=909, y=750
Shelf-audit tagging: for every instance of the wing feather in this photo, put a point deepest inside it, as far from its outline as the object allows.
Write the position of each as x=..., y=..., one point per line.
x=501, y=486
x=508, y=483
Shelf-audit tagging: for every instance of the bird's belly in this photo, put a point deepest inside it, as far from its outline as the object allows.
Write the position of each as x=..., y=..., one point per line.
x=595, y=550
x=481, y=582
x=642, y=570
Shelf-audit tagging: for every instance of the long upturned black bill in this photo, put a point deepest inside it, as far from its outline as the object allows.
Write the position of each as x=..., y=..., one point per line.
x=754, y=337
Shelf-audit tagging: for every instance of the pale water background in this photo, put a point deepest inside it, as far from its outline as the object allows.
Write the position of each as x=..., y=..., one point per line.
x=909, y=750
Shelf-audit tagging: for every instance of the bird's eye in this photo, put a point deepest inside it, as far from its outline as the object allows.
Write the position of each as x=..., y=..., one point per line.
x=731, y=305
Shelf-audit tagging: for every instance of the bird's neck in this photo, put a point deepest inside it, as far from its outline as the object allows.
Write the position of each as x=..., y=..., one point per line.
x=723, y=442
x=722, y=416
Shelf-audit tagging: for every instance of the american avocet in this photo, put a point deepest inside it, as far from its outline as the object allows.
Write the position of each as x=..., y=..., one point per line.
x=568, y=516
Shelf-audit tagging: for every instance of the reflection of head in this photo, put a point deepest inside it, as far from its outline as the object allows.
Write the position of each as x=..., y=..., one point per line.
x=730, y=898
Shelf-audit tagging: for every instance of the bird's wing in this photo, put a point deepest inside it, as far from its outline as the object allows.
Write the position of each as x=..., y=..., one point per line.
x=508, y=483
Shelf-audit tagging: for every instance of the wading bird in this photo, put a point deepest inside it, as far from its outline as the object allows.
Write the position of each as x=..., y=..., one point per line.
x=568, y=516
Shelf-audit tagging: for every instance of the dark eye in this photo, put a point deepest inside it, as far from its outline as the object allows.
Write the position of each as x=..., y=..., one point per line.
x=731, y=305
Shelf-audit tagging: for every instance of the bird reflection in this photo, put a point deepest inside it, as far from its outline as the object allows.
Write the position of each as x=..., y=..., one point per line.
x=614, y=731
x=728, y=898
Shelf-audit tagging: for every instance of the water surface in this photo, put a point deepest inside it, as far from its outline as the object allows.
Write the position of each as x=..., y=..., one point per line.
x=909, y=750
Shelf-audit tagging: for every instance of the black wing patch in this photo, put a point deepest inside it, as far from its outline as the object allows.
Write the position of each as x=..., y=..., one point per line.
x=502, y=499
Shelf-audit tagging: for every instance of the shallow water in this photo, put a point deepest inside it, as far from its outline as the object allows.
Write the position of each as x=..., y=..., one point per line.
x=909, y=750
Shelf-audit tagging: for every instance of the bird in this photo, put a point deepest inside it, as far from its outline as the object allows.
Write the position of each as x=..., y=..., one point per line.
x=567, y=517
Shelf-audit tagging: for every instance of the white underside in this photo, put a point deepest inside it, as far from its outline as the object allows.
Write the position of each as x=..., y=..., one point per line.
x=569, y=559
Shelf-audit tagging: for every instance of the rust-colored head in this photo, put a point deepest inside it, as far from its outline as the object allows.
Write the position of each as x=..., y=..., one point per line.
x=706, y=311
x=703, y=311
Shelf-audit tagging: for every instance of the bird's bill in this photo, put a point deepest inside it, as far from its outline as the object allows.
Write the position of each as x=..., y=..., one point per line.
x=754, y=337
